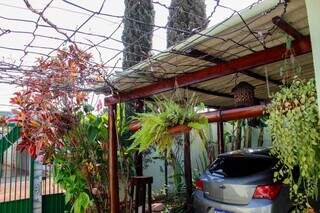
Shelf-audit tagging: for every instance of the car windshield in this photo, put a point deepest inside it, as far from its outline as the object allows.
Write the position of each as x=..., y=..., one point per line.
x=240, y=165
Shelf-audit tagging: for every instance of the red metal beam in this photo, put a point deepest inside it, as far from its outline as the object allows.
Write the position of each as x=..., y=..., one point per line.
x=194, y=53
x=218, y=116
x=236, y=114
x=250, y=61
x=286, y=27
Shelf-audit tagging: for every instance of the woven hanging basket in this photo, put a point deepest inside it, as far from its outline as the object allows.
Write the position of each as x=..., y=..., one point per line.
x=243, y=94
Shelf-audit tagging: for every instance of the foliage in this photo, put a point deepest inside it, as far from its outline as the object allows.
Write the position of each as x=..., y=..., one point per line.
x=295, y=130
x=80, y=165
x=50, y=96
x=185, y=17
x=56, y=124
x=163, y=115
x=155, y=132
x=175, y=203
x=202, y=165
x=175, y=160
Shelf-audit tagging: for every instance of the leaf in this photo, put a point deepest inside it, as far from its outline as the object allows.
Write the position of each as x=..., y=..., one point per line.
x=195, y=125
x=93, y=133
x=68, y=197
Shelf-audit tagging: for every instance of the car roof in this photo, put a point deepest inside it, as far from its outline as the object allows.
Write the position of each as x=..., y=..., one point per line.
x=255, y=151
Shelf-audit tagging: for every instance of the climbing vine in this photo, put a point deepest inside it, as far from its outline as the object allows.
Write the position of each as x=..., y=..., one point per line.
x=295, y=130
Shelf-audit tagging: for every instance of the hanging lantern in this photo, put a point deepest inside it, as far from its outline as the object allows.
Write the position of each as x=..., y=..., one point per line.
x=243, y=94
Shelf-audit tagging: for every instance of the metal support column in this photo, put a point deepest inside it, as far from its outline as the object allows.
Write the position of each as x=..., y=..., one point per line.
x=113, y=160
x=313, y=8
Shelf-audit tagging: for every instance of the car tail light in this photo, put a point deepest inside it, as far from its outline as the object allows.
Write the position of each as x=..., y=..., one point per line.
x=267, y=191
x=199, y=184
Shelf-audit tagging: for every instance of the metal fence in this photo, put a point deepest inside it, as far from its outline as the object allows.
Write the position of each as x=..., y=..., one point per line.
x=16, y=178
x=49, y=187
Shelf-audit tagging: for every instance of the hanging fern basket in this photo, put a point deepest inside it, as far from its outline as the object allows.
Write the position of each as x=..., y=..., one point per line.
x=166, y=118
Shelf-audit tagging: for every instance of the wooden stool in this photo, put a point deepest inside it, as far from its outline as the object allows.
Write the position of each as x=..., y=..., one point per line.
x=138, y=185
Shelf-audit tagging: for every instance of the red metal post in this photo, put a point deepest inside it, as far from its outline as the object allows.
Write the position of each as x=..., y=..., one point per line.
x=220, y=137
x=113, y=161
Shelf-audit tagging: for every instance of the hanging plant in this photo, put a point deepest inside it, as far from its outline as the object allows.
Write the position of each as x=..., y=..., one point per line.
x=295, y=130
x=157, y=125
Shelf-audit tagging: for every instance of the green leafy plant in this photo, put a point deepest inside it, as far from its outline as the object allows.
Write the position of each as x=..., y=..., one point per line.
x=202, y=165
x=295, y=130
x=163, y=115
x=175, y=160
x=80, y=164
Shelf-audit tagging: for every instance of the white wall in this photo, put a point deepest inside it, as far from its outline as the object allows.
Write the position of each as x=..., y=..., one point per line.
x=156, y=167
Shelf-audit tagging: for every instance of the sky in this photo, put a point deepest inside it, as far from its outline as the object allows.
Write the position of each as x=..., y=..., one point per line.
x=65, y=15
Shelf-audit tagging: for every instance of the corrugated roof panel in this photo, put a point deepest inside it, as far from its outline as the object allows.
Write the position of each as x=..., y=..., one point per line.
x=235, y=41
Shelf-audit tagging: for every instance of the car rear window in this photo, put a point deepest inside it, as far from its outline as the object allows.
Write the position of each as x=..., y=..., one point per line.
x=242, y=165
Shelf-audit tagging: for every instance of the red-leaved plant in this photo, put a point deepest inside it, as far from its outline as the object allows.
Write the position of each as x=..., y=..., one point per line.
x=51, y=94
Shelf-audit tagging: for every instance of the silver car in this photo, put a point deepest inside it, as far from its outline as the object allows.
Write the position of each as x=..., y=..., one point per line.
x=241, y=182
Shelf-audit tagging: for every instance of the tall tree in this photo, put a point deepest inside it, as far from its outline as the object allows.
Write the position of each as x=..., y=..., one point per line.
x=137, y=41
x=185, y=17
x=137, y=32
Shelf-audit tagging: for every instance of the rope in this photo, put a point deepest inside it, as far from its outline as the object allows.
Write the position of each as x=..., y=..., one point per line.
x=267, y=80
